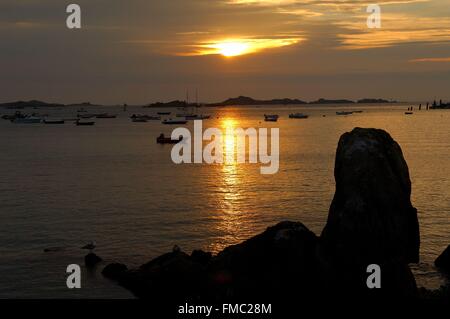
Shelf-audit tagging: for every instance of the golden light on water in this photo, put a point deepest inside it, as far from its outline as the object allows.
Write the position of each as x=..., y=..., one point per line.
x=229, y=141
x=237, y=47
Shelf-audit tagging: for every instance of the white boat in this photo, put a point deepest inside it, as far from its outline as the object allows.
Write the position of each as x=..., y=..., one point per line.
x=27, y=120
x=298, y=116
x=271, y=118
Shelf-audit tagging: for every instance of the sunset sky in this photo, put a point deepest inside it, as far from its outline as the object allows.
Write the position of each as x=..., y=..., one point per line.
x=142, y=51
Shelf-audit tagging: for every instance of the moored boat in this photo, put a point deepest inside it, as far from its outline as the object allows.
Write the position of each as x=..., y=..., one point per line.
x=86, y=116
x=146, y=117
x=167, y=140
x=139, y=120
x=54, y=121
x=298, y=116
x=106, y=116
x=271, y=118
x=344, y=113
x=173, y=122
x=27, y=120
x=82, y=123
x=197, y=117
x=164, y=113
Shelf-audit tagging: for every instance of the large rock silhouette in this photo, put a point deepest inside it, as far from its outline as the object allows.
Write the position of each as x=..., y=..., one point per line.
x=371, y=221
x=371, y=218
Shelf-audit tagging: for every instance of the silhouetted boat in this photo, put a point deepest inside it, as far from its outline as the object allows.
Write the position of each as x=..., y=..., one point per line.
x=54, y=122
x=27, y=120
x=81, y=123
x=167, y=140
x=344, y=113
x=146, y=117
x=106, y=116
x=86, y=116
x=139, y=120
x=164, y=113
x=197, y=117
x=298, y=116
x=409, y=113
x=173, y=122
x=271, y=118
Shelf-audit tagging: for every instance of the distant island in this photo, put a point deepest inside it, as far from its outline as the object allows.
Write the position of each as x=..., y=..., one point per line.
x=32, y=103
x=245, y=100
x=38, y=104
x=240, y=100
x=368, y=101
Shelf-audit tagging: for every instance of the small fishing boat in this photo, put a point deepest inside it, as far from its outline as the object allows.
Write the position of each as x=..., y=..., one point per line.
x=298, y=116
x=186, y=115
x=197, y=117
x=27, y=120
x=146, y=117
x=167, y=140
x=164, y=113
x=271, y=118
x=54, y=121
x=86, y=116
x=344, y=113
x=139, y=120
x=173, y=122
x=106, y=116
x=8, y=117
x=81, y=123
x=409, y=113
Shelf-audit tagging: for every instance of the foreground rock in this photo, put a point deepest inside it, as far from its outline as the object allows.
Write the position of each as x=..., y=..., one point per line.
x=371, y=221
x=265, y=265
x=371, y=218
x=114, y=270
x=443, y=261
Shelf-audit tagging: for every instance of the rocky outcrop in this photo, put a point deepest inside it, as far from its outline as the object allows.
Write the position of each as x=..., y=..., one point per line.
x=371, y=218
x=443, y=261
x=265, y=265
x=114, y=270
x=371, y=221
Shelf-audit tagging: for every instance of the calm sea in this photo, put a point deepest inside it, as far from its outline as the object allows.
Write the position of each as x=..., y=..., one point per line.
x=63, y=185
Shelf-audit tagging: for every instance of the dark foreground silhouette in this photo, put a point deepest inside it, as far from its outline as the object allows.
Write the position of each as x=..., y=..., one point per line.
x=371, y=221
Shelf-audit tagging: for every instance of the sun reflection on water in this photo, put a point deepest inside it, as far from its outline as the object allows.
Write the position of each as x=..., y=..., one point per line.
x=230, y=189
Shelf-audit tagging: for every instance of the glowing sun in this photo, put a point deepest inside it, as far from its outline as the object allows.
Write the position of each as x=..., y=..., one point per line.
x=230, y=49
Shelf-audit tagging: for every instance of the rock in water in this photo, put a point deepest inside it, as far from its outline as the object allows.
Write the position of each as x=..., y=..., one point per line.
x=443, y=261
x=371, y=219
x=91, y=259
x=114, y=271
x=269, y=265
